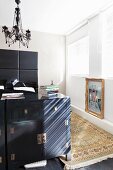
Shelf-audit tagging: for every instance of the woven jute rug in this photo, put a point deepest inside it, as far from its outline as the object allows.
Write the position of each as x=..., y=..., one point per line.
x=89, y=144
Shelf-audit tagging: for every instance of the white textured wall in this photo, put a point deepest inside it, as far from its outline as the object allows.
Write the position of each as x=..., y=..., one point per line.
x=76, y=90
x=75, y=85
x=95, y=47
x=51, y=56
x=76, y=35
x=71, y=87
x=108, y=109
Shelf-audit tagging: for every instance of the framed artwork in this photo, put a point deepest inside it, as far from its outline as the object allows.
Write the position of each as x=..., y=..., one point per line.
x=95, y=97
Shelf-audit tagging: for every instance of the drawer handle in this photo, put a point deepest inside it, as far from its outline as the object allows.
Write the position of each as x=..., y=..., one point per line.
x=67, y=145
x=56, y=108
x=0, y=132
x=66, y=122
x=12, y=157
x=0, y=159
x=12, y=130
x=41, y=138
x=26, y=111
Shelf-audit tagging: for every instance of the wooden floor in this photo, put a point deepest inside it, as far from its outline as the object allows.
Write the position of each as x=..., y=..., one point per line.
x=55, y=164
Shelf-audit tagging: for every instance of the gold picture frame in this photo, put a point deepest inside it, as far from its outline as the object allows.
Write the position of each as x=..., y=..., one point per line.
x=94, y=97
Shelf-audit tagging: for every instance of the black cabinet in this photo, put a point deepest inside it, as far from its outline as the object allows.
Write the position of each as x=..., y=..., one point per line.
x=2, y=136
x=35, y=130
x=23, y=126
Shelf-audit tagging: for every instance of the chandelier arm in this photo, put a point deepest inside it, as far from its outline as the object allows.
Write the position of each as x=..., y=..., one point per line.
x=25, y=39
x=24, y=43
x=11, y=39
x=24, y=35
x=11, y=34
x=10, y=42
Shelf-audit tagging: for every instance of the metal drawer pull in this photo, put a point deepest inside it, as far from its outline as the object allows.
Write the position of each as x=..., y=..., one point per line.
x=0, y=159
x=67, y=145
x=56, y=108
x=12, y=157
x=66, y=122
x=41, y=138
x=26, y=111
x=12, y=130
x=0, y=132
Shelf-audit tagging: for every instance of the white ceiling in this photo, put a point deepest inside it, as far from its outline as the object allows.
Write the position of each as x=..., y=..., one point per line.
x=53, y=16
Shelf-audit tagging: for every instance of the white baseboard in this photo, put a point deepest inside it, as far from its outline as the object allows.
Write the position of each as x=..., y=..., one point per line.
x=102, y=123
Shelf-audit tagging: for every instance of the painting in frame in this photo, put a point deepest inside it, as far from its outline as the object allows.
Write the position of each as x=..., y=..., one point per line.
x=95, y=97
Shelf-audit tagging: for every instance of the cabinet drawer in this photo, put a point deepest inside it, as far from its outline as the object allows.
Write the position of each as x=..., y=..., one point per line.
x=2, y=153
x=54, y=105
x=2, y=113
x=54, y=110
x=23, y=110
x=22, y=142
x=19, y=129
x=2, y=136
x=2, y=162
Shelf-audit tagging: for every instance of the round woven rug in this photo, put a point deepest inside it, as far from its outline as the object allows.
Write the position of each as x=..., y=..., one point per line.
x=89, y=144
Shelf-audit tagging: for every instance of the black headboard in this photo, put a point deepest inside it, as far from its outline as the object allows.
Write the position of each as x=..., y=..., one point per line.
x=21, y=65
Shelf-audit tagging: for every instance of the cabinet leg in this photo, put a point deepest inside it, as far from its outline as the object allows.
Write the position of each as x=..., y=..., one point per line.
x=68, y=156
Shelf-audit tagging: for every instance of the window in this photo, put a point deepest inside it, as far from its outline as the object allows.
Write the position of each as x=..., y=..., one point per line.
x=78, y=57
x=107, y=43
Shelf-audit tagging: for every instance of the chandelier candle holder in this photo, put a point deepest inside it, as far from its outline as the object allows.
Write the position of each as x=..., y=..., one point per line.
x=17, y=34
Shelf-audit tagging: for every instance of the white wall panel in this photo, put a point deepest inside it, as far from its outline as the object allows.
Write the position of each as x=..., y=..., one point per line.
x=95, y=47
x=77, y=91
x=75, y=86
x=108, y=103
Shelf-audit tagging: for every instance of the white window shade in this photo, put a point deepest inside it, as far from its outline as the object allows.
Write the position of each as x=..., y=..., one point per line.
x=107, y=43
x=78, y=57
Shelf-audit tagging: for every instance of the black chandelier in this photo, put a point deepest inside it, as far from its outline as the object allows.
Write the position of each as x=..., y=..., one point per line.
x=17, y=34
